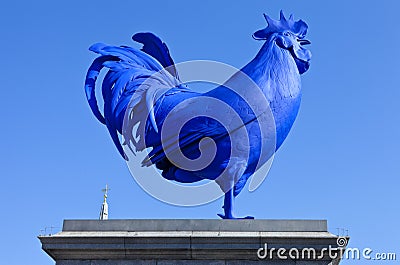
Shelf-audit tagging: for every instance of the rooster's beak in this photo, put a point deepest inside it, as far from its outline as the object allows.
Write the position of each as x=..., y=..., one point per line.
x=304, y=42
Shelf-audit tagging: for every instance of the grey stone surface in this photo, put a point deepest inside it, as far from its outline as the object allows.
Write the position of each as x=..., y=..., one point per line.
x=106, y=262
x=192, y=242
x=321, y=262
x=197, y=225
x=123, y=262
x=188, y=262
x=252, y=262
x=73, y=262
x=191, y=262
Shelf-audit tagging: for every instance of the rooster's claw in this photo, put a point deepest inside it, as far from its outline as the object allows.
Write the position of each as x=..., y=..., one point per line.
x=234, y=218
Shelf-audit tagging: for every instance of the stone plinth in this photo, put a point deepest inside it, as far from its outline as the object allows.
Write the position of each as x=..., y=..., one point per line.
x=216, y=242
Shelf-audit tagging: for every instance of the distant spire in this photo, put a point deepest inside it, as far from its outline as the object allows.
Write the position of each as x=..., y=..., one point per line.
x=104, y=206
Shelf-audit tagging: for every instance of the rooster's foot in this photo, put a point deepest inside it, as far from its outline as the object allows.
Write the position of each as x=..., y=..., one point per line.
x=234, y=218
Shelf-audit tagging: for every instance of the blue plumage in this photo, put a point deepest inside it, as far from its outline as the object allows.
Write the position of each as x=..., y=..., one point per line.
x=138, y=92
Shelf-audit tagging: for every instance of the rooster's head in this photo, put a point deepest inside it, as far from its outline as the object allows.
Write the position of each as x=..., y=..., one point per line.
x=289, y=35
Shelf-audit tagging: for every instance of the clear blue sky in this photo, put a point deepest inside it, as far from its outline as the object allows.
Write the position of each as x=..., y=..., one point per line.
x=340, y=162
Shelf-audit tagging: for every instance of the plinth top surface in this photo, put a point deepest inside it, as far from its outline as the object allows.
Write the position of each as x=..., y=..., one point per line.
x=196, y=225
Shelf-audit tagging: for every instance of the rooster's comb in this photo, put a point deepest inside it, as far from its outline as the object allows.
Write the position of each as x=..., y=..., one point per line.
x=299, y=27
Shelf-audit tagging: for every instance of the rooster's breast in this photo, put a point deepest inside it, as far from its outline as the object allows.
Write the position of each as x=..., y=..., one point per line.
x=285, y=112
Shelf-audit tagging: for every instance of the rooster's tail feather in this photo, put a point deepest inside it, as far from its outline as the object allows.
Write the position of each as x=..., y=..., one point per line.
x=133, y=83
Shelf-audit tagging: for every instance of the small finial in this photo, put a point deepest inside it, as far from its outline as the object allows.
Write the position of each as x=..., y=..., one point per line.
x=104, y=206
x=105, y=192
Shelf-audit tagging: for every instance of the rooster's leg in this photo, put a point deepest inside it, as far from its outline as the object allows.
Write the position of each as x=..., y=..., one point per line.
x=228, y=207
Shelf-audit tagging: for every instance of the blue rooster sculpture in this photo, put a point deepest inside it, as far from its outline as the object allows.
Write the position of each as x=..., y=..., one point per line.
x=142, y=87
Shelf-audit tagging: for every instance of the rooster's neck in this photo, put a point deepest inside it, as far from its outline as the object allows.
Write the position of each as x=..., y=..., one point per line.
x=275, y=72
